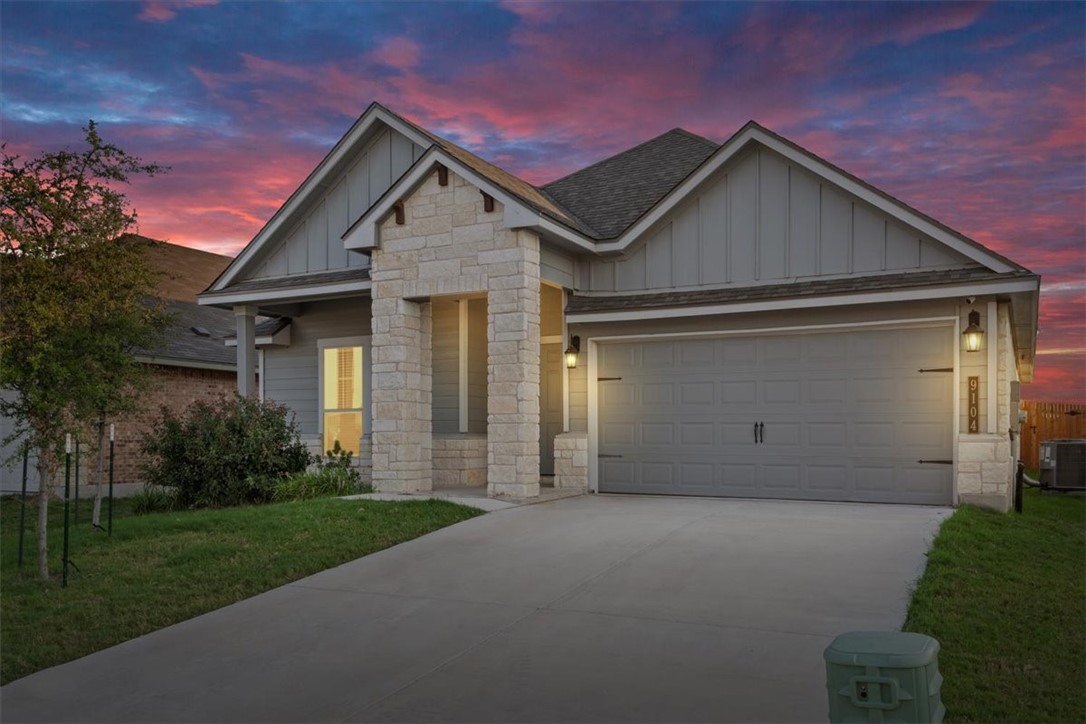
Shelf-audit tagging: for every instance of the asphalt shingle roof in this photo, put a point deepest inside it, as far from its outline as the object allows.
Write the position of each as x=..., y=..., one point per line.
x=181, y=343
x=581, y=304
x=298, y=280
x=611, y=195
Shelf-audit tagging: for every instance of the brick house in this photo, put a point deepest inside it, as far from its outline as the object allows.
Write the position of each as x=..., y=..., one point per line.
x=193, y=363
x=686, y=317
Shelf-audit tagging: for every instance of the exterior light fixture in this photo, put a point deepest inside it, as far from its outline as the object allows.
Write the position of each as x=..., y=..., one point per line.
x=571, y=352
x=973, y=334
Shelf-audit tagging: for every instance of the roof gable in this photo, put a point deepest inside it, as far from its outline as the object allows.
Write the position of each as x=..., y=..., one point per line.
x=612, y=194
x=290, y=219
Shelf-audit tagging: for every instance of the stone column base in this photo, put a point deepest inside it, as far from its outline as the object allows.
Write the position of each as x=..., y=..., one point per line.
x=459, y=460
x=571, y=460
x=985, y=471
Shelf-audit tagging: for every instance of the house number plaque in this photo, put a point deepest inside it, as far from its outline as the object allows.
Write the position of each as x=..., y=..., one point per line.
x=974, y=404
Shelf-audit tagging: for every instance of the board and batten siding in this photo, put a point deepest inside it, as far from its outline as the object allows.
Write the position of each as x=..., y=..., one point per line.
x=446, y=365
x=292, y=373
x=478, y=351
x=763, y=219
x=314, y=243
x=556, y=266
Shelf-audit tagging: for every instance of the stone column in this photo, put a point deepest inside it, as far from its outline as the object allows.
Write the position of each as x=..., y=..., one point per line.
x=513, y=368
x=401, y=382
x=245, y=317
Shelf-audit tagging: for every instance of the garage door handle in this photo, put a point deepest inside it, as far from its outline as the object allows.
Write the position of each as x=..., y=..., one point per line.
x=601, y=455
x=937, y=462
x=759, y=433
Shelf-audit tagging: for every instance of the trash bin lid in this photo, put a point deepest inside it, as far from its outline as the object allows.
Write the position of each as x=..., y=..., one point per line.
x=887, y=649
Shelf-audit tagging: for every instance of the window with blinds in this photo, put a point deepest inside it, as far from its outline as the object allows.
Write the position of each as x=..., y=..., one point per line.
x=342, y=397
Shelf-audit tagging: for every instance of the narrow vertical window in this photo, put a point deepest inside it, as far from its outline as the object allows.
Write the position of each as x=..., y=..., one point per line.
x=342, y=397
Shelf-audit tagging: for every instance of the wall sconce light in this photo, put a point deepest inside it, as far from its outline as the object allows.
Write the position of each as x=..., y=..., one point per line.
x=571, y=352
x=973, y=334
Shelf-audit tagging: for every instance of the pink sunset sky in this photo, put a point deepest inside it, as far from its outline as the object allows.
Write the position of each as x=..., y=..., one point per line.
x=973, y=113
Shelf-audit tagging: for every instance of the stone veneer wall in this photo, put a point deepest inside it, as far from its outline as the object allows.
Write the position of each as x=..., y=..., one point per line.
x=986, y=462
x=450, y=245
x=571, y=460
x=459, y=460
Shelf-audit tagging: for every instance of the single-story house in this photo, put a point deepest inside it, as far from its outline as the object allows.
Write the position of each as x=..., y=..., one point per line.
x=741, y=319
x=192, y=363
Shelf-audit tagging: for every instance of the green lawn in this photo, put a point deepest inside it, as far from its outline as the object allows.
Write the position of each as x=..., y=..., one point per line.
x=1005, y=595
x=163, y=568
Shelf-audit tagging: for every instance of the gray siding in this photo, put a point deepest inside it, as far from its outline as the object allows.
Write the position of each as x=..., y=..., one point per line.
x=446, y=366
x=477, y=365
x=555, y=266
x=292, y=372
x=762, y=219
x=313, y=244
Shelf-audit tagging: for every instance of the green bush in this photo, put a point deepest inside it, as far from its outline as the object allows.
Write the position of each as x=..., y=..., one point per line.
x=151, y=499
x=229, y=452
x=333, y=476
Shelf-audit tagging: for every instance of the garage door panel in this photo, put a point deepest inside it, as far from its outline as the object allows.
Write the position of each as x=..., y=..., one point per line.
x=782, y=352
x=698, y=353
x=736, y=434
x=827, y=434
x=827, y=478
x=780, y=434
x=827, y=391
x=847, y=415
x=658, y=393
x=617, y=433
x=657, y=356
x=876, y=436
x=658, y=473
x=784, y=477
x=697, y=475
x=657, y=433
x=697, y=435
x=738, y=392
x=697, y=393
x=781, y=392
x=739, y=352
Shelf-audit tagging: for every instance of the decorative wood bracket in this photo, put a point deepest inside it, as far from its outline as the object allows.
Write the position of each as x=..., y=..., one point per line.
x=488, y=202
x=442, y=175
x=398, y=208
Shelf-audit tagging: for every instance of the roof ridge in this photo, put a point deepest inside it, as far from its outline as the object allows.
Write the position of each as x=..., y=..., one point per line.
x=696, y=137
x=620, y=154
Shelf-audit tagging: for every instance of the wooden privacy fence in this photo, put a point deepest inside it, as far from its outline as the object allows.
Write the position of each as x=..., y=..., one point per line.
x=1049, y=421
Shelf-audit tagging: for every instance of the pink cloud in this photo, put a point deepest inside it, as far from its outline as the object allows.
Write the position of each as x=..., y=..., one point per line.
x=397, y=52
x=161, y=11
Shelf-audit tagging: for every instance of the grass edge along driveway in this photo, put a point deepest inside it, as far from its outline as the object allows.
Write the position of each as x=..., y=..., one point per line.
x=163, y=568
x=1005, y=596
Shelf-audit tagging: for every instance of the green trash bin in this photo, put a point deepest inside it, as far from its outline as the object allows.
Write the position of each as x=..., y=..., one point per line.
x=884, y=676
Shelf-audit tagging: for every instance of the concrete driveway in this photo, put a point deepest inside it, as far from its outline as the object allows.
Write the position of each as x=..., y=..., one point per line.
x=599, y=608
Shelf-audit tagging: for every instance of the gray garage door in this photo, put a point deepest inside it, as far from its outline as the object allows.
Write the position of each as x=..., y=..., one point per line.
x=813, y=416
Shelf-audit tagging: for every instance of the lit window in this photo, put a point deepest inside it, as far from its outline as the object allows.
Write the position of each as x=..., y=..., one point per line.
x=342, y=397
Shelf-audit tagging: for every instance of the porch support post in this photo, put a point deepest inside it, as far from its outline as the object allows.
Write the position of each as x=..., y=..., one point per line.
x=513, y=368
x=245, y=317
x=402, y=393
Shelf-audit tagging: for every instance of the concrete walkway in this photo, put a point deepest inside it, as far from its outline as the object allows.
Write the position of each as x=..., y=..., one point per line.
x=597, y=608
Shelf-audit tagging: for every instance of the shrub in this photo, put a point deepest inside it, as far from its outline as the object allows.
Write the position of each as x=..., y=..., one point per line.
x=228, y=452
x=333, y=476
x=151, y=499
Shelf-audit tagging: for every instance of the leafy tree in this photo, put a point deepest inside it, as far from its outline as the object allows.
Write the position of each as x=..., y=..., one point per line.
x=74, y=301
